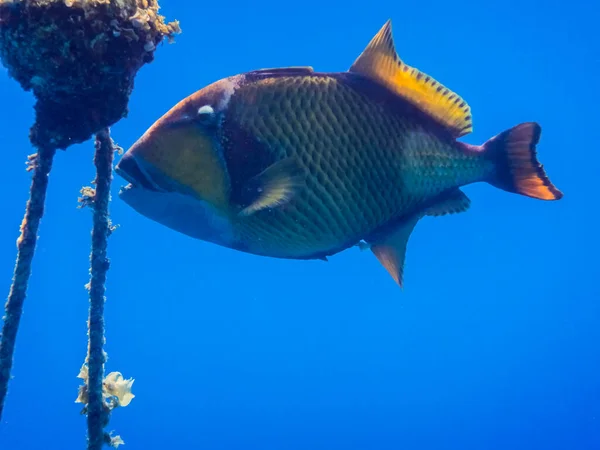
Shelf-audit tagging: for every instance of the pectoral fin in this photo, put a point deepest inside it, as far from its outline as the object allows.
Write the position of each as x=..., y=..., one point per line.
x=275, y=186
x=390, y=249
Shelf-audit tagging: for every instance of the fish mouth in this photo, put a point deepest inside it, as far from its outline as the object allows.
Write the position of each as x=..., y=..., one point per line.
x=130, y=169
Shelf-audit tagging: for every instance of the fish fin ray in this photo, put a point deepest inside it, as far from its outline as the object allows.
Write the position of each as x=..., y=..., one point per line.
x=381, y=63
x=517, y=167
x=391, y=251
x=455, y=202
x=274, y=186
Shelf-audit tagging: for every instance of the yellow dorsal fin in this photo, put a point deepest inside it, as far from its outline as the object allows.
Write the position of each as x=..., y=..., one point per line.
x=380, y=62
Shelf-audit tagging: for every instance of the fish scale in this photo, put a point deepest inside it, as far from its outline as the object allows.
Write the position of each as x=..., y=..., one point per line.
x=353, y=152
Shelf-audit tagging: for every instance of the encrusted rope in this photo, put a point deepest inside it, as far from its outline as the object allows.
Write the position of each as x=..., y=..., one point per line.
x=42, y=164
x=97, y=414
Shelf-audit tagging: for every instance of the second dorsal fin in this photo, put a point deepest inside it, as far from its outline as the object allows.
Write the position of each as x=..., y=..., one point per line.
x=380, y=62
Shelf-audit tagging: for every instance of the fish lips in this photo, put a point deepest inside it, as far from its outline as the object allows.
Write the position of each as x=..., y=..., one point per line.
x=143, y=193
x=140, y=175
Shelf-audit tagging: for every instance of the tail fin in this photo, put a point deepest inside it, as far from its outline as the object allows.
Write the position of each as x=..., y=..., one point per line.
x=517, y=167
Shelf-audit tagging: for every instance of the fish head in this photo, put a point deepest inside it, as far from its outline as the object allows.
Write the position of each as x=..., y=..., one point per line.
x=176, y=170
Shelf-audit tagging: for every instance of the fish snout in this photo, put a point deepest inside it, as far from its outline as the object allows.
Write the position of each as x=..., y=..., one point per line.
x=139, y=173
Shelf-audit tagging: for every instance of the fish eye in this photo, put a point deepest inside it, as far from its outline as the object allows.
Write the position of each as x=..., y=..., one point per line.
x=206, y=113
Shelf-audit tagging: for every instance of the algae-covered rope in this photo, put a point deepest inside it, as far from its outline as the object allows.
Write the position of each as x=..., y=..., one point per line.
x=42, y=164
x=97, y=415
x=90, y=92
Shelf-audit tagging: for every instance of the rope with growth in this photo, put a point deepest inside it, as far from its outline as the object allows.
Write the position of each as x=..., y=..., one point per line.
x=97, y=417
x=100, y=394
x=82, y=87
x=42, y=164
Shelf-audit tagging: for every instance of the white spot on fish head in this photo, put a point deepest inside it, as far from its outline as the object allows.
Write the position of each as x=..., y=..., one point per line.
x=206, y=110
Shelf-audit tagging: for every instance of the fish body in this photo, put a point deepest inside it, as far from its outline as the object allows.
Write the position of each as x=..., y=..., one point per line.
x=359, y=149
x=293, y=163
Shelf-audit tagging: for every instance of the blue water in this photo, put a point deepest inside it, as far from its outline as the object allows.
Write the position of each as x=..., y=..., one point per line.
x=493, y=344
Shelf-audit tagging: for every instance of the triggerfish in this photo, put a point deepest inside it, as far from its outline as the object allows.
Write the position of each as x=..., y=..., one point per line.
x=293, y=163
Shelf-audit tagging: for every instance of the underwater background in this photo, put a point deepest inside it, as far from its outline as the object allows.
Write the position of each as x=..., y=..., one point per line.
x=493, y=343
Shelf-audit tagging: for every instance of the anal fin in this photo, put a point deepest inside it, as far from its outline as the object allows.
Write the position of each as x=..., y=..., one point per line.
x=456, y=201
x=391, y=252
x=390, y=249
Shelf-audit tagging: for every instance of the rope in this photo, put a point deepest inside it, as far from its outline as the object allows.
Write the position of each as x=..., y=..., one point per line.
x=97, y=413
x=42, y=164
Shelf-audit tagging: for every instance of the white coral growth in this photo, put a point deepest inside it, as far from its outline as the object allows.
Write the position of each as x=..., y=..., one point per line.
x=113, y=385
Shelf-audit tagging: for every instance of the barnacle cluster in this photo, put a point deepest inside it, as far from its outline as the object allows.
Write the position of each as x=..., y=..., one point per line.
x=79, y=58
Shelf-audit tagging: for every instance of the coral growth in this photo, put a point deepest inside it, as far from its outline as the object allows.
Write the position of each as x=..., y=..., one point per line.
x=116, y=391
x=79, y=57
